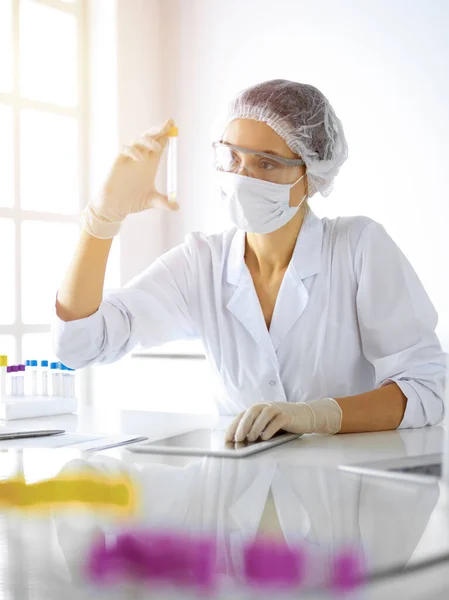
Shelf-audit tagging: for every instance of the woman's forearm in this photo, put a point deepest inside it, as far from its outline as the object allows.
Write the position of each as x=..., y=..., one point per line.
x=380, y=410
x=81, y=291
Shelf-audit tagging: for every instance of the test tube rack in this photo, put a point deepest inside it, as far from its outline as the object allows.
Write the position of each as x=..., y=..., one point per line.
x=27, y=407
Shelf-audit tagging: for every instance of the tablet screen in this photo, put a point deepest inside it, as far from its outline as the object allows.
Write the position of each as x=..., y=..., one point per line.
x=204, y=439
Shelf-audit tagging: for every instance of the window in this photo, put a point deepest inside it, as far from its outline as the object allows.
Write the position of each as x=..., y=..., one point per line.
x=42, y=175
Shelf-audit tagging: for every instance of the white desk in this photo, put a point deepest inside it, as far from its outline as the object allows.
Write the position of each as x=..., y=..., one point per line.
x=293, y=491
x=316, y=450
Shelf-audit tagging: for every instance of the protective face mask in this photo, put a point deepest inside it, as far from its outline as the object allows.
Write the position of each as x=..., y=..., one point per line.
x=254, y=205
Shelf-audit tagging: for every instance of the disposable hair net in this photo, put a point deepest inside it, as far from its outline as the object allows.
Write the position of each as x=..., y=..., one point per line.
x=303, y=117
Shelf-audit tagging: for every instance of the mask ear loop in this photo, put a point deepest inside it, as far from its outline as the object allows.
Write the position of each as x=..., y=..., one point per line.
x=298, y=180
x=306, y=195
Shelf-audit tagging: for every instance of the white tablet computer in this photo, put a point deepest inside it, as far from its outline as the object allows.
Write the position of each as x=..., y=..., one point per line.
x=420, y=469
x=208, y=442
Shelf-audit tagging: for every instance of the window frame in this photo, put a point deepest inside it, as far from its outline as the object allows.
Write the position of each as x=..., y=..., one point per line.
x=17, y=102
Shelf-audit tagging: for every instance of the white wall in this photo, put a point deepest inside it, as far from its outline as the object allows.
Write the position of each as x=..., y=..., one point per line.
x=102, y=102
x=384, y=66
x=140, y=106
x=126, y=50
x=125, y=39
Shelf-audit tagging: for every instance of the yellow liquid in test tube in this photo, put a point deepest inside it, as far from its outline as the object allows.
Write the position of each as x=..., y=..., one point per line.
x=3, y=365
x=172, y=182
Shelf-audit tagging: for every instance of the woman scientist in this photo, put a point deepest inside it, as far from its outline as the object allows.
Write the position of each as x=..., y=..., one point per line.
x=310, y=325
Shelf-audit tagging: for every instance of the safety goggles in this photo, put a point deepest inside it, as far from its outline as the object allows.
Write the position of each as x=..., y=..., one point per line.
x=261, y=165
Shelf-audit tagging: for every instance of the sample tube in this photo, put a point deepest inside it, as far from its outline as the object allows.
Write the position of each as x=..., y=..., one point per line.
x=28, y=376
x=3, y=376
x=9, y=381
x=172, y=180
x=55, y=379
x=44, y=378
x=33, y=365
x=13, y=379
x=71, y=382
x=68, y=382
x=20, y=380
x=64, y=383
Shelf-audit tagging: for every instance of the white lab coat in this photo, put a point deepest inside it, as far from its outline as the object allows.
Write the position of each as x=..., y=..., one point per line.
x=351, y=314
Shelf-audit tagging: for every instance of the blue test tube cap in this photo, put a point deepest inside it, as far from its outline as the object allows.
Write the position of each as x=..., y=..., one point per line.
x=33, y=363
x=54, y=365
x=62, y=367
x=44, y=363
x=28, y=363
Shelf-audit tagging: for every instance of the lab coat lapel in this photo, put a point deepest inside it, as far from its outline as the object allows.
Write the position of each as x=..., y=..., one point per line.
x=293, y=296
x=244, y=303
x=290, y=304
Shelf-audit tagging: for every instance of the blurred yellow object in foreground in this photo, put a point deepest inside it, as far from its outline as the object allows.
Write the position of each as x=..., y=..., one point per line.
x=116, y=494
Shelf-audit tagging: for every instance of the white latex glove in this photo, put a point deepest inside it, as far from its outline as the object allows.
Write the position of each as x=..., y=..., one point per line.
x=130, y=186
x=265, y=419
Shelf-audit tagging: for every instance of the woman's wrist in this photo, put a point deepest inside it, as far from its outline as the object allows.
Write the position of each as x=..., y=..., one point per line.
x=327, y=415
x=97, y=226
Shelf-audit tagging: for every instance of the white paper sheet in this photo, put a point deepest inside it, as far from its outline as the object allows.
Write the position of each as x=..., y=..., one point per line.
x=80, y=441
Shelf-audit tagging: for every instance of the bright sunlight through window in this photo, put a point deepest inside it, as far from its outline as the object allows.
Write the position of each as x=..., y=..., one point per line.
x=42, y=179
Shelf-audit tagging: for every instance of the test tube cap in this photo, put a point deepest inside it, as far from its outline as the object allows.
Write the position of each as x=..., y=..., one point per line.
x=21, y=367
x=173, y=131
x=54, y=365
x=44, y=363
x=3, y=360
x=28, y=363
x=14, y=368
x=8, y=369
x=33, y=363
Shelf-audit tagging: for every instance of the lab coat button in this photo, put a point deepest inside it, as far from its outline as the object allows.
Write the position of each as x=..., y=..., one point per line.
x=272, y=382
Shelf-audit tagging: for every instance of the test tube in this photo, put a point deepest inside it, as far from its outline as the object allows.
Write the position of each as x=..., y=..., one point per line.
x=13, y=378
x=33, y=365
x=3, y=376
x=63, y=381
x=9, y=381
x=44, y=377
x=68, y=382
x=71, y=382
x=20, y=380
x=28, y=376
x=55, y=379
x=172, y=180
